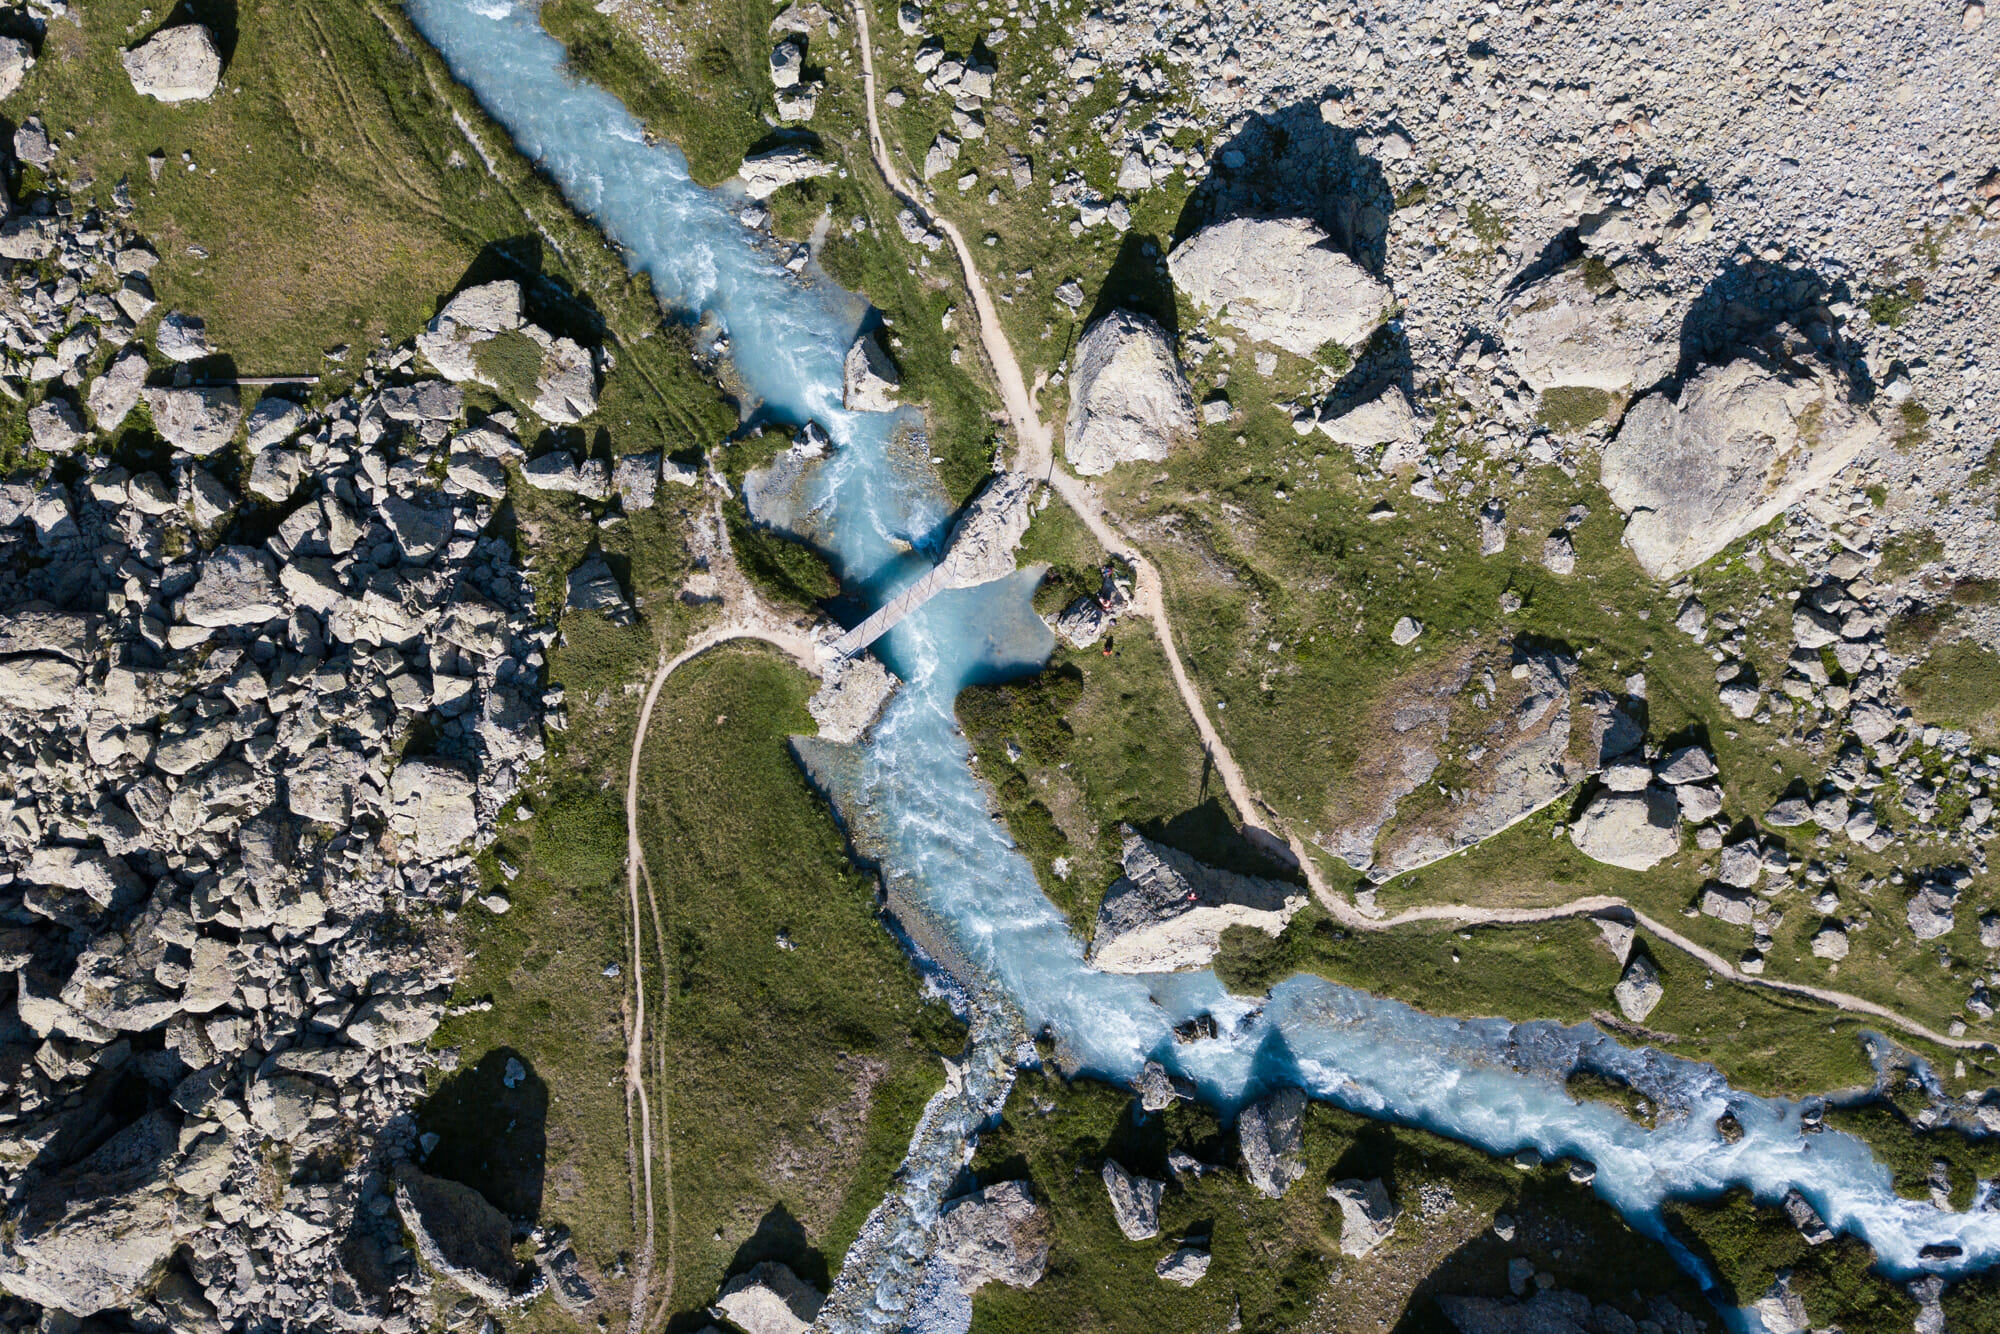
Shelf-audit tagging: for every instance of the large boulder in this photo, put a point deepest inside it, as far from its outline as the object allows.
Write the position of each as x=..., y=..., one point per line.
x=180, y=64
x=460, y=1235
x=1167, y=912
x=470, y=318
x=566, y=384
x=1280, y=281
x=198, y=421
x=37, y=684
x=1135, y=1201
x=115, y=393
x=236, y=588
x=870, y=379
x=764, y=174
x=1741, y=443
x=1367, y=1215
x=54, y=427
x=1576, y=329
x=1128, y=399
x=1502, y=716
x=1639, y=990
x=16, y=59
x=94, y=1237
x=769, y=1299
x=995, y=1235
x=1272, y=1135
x=431, y=806
x=1635, y=830
x=1384, y=419
x=988, y=533
x=851, y=696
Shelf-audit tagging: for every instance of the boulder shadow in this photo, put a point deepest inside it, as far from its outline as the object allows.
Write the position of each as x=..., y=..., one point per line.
x=1743, y=304
x=1137, y=281
x=218, y=16
x=1563, y=1230
x=781, y=1237
x=491, y=1121
x=1291, y=163
x=1207, y=834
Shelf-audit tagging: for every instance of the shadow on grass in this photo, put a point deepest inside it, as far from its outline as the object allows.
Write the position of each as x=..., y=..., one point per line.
x=491, y=1124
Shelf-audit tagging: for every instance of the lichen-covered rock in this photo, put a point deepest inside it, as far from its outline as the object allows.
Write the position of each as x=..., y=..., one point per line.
x=1635, y=830
x=451, y=340
x=870, y=380
x=93, y=1237
x=116, y=392
x=1280, y=281
x=1741, y=443
x=851, y=696
x=197, y=421
x=1574, y=329
x=566, y=385
x=1128, y=400
x=1272, y=1135
x=999, y=1234
x=1367, y=1215
x=431, y=806
x=764, y=174
x=989, y=532
x=1167, y=912
x=1135, y=1201
x=236, y=588
x=769, y=1299
x=1639, y=989
x=1187, y=1266
x=180, y=64
x=1384, y=419
x=54, y=427
x=460, y=1235
x=16, y=59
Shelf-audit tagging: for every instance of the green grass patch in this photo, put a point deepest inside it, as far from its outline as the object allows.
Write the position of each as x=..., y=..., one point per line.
x=513, y=361
x=1915, y=424
x=1892, y=306
x=1589, y=1086
x=1957, y=686
x=1572, y=408
x=580, y=844
x=1598, y=277
x=714, y=111
x=1910, y=1152
x=783, y=570
x=1910, y=550
x=792, y=1076
x=1764, y=1042
x=1487, y=223
x=1747, y=1247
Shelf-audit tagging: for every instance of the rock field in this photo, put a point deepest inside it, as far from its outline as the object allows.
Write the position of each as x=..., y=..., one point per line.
x=222, y=871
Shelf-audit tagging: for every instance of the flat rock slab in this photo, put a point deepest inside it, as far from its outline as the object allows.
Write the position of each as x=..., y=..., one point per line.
x=1167, y=912
x=1280, y=281
x=1635, y=830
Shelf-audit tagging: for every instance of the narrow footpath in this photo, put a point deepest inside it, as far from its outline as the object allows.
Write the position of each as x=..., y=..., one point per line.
x=745, y=617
